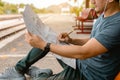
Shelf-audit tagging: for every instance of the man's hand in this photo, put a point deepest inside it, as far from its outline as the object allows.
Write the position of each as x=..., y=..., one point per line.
x=64, y=37
x=34, y=40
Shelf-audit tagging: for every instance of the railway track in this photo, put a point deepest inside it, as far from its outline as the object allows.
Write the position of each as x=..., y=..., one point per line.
x=9, y=27
x=12, y=27
x=11, y=30
x=9, y=17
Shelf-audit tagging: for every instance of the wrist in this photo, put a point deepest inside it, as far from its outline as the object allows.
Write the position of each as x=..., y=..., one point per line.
x=42, y=45
x=47, y=47
x=70, y=40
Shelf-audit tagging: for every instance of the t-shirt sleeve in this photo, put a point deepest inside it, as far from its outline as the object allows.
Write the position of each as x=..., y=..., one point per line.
x=110, y=36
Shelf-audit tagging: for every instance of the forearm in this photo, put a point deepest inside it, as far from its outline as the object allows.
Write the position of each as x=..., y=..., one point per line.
x=79, y=41
x=79, y=52
x=71, y=51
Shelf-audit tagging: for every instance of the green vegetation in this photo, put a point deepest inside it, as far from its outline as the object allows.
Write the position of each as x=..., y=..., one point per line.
x=7, y=8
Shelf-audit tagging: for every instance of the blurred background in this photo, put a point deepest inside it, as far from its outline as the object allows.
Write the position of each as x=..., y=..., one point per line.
x=44, y=6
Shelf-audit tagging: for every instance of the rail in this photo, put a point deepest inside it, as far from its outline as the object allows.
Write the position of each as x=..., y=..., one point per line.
x=13, y=24
x=7, y=30
x=9, y=17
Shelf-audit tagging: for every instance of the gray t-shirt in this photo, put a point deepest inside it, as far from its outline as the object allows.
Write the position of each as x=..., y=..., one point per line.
x=106, y=65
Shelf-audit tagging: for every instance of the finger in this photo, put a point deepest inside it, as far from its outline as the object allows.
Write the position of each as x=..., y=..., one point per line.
x=59, y=36
x=29, y=33
x=61, y=40
x=27, y=36
x=64, y=35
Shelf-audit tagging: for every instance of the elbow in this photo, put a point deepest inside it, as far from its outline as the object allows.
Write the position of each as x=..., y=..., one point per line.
x=83, y=54
x=81, y=57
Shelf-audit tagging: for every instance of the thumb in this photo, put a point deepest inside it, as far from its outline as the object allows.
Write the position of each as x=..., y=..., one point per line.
x=28, y=33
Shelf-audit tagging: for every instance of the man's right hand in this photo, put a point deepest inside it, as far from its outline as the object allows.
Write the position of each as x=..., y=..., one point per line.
x=64, y=37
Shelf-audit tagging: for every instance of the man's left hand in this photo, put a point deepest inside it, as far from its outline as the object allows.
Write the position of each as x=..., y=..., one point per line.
x=34, y=40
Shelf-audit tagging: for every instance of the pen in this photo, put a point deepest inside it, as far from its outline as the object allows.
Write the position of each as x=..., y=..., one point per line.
x=70, y=32
x=63, y=36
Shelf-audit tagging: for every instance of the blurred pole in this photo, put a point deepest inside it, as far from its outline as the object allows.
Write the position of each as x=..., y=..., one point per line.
x=87, y=3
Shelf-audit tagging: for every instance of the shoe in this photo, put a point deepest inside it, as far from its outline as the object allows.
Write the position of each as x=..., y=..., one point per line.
x=11, y=74
x=39, y=74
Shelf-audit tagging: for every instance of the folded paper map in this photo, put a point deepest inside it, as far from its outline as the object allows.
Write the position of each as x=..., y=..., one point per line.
x=35, y=26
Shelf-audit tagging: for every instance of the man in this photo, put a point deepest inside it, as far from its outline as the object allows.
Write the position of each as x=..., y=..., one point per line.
x=97, y=58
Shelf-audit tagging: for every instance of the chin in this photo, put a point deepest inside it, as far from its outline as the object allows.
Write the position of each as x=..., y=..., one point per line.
x=98, y=10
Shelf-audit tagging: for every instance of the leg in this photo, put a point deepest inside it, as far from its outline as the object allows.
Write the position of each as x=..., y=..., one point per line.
x=17, y=72
x=67, y=74
x=33, y=56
